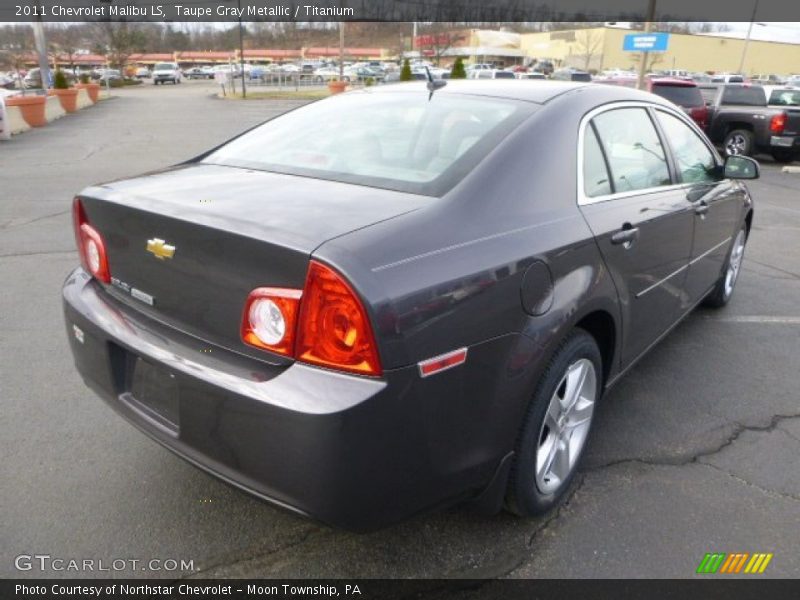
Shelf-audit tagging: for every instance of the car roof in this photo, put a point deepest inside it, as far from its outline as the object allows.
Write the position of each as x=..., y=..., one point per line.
x=527, y=90
x=537, y=91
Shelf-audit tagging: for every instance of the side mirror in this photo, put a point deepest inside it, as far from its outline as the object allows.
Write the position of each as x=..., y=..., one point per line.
x=740, y=167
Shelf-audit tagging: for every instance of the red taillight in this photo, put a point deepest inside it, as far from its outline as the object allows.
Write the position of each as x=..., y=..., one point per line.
x=778, y=122
x=270, y=319
x=91, y=247
x=324, y=324
x=333, y=329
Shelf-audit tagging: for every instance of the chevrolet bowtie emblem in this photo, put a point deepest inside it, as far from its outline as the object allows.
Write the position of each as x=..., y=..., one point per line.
x=160, y=249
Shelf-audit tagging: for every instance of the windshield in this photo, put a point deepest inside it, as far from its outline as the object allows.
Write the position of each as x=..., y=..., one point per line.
x=399, y=141
x=682, y=95
x=785, y=98
x=164, y=67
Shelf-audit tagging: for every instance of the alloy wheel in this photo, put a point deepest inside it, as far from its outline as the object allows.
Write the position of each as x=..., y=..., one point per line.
x=566, y=426
x=734, y=264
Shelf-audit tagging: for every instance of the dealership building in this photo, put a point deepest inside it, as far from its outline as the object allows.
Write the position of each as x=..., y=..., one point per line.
x=601, y=48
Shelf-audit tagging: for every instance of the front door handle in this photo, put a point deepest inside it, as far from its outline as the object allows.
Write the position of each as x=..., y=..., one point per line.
x=626, y=236
x=701, y=209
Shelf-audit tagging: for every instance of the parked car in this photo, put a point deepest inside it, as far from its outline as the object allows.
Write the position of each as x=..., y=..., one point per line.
x=571, y=75
x=389, y=305
x=684, y=93
x=166, y=71
x=110, y=75
x=490, y=74
x=529, y=75
x=394, y=77
x=142, y=73
x=198, y=73
x=740, y=120
x=782, y=96
x=7, y=82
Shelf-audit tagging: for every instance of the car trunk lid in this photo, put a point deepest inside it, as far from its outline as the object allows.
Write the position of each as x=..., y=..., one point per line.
x=231, y=230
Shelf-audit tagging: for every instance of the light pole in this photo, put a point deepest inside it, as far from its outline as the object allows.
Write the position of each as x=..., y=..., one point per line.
x=651, y=12
x=41, y=48
x=241, y=50
x=747, y=38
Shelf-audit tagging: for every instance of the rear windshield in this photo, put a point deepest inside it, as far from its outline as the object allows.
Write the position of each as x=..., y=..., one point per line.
x=682, y=95
x=785, y=98
x=581, y=77
x=400, y=141
x=504, y=75
x=747, y=96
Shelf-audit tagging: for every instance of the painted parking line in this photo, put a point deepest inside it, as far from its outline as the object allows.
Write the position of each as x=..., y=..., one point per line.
x=758, y=319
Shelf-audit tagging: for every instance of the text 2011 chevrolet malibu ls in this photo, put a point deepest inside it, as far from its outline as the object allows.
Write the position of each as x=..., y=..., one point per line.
x=390, y=300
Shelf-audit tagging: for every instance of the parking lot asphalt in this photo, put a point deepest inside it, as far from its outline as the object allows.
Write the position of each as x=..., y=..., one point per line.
x=694, y=451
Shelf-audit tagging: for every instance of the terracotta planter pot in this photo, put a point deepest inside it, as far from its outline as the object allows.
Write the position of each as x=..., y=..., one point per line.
x=68, y=99
x=31, y=107
x=93, y=89
x=337, y=87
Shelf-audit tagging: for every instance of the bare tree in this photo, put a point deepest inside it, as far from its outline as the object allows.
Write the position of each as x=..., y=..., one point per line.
x=65, y=42
x=16, y=49
x=439, y=39
x=588, y=42
x=118, y=40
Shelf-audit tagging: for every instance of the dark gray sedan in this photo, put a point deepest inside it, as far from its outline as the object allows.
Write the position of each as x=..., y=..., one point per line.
x=394, y=300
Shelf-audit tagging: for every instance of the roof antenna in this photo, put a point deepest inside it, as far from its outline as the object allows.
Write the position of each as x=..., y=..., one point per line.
x=433, y=84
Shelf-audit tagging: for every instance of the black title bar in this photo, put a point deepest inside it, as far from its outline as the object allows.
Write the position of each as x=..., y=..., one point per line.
x=462, y=11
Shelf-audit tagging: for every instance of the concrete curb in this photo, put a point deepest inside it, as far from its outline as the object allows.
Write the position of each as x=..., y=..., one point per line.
x=790, y=169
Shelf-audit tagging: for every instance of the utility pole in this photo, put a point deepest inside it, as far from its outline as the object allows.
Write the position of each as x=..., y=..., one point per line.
x=341, y=50
x=747, y=39
x=41, y=48
x=241, y=51
x=648, y=24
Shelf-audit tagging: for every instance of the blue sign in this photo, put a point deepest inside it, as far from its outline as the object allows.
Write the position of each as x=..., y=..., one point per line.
x=646, y=42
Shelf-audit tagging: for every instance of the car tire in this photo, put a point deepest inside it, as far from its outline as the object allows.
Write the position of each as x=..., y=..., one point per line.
x=784, y=156
x=723, y=289
x=738, y=142
x=556, y=426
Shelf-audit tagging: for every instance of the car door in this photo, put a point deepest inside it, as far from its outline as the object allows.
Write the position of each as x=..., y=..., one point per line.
x=640, y=219
x=715, y=201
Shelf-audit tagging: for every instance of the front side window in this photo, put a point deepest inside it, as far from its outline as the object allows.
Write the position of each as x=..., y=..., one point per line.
x=695, y=162
x=635, y=156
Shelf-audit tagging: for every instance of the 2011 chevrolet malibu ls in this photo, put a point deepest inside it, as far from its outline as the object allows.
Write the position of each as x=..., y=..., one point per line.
x=395, y=299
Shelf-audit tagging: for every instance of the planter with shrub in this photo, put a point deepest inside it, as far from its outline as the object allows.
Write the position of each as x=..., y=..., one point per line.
x=336, y=87
x=93, y=89
x=66, y=95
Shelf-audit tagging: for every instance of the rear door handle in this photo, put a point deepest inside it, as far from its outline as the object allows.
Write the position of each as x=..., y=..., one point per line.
x=701, y=208
x=627, y=235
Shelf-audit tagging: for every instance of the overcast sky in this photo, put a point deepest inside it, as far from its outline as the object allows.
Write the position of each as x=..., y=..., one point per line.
x=771, y=32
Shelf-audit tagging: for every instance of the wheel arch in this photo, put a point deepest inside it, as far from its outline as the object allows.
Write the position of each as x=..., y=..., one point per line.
x=601, y=326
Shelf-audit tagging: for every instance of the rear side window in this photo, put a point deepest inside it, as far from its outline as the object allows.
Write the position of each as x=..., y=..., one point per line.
x=785, y=98
x=595, y=173
x=633, y=149
x=682, y=95
x=746, y=96
x=695, y=161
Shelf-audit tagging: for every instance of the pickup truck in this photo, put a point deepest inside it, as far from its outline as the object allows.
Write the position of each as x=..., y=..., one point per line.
x=741, y=122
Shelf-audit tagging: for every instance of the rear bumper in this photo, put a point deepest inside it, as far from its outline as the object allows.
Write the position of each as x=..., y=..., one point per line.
x=355, y=452
x=789, y=142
